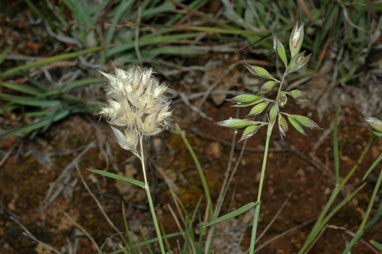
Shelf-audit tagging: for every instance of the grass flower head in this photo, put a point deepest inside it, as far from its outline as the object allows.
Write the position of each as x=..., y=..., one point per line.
x=137, y=105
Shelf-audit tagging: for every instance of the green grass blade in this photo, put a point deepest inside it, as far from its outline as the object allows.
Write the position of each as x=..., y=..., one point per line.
x=4, y=54
x=200, y=172
x=28, y=101
x=127, y=231
x=153, y=240
x=80, y=83
x=376, y=218
x=122, y=8
x=22, y=88
x=50, y=117
x=361, y=229
x=36, y=125
x=376, y=245
x=46, y=61
x=118, y=177
x=165, y=7
x=327, y=218
x=7, y=108
x=232, y=214
x=168, y=247
x=189, y=229
x=375, y=163
x=37, y=113
x=147, y=244
x=152, y=39
x=39, y=85
x=335, y=145
x=226, y=31
x=194, y=4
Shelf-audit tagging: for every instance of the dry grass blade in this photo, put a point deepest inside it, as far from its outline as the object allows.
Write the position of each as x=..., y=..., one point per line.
x=83, y=231
x=28, y=234
x=63, y=178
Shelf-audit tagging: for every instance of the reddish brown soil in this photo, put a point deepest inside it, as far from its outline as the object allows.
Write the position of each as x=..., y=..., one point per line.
x=34, y=164
x=24, y=182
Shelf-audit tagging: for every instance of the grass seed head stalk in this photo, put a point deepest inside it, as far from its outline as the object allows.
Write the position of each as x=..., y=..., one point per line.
x=137, y=107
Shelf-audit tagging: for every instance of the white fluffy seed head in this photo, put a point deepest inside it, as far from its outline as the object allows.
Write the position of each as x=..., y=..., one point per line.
x=136, y=104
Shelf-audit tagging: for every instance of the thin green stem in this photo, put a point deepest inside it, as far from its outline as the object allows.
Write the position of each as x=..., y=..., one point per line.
x=149, y=199
x=257, y=209
x=262, y=175
x=281, y=85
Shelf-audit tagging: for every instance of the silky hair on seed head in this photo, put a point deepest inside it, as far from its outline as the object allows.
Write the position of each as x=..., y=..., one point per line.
x=137, y=105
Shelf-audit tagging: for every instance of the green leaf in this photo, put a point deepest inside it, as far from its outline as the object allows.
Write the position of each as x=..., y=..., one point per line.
x=283, y=99
x=259, y=71
x=375, y=123
x=299, y=62
x=118, y=177
x=283, y=125
x=267, y=86
x=296, y=125
x=273, y=113
x=235, y=123
x=243, y=105
x=280, y=50
x=246, y=98
x=249, y=132
x=295, y=40
x=305, y=121
x=259, y=108
x=298, y=95
x=232, y=214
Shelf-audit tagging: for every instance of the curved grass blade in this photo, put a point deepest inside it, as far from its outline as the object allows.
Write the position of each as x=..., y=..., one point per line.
x=153, y=240
x=376, y=245
x=232, y=214
x=22, y=88
x=362, y=229
x=152, y=39
x=118, y=177
x=36, y=125
x=375, y=163
x=48, y=60
x=127, y=231
x=80, y=83
x=28, y=101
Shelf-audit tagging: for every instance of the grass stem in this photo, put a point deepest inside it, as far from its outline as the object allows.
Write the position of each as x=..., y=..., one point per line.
x=149, y=199
x=257, y=209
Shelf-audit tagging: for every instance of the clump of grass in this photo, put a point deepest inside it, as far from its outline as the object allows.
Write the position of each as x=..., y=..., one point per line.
x=137, y=107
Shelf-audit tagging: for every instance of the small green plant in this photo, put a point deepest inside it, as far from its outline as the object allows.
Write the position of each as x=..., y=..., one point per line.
x=259, y=104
